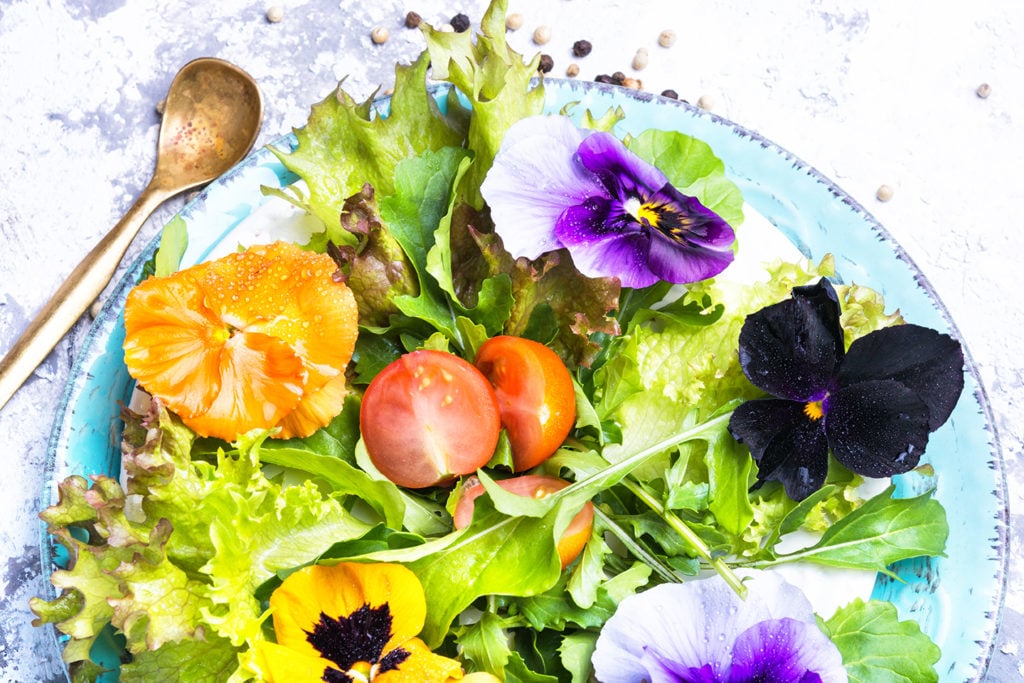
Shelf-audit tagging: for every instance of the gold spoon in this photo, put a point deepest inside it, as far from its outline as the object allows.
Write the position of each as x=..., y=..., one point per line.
x=212, y=115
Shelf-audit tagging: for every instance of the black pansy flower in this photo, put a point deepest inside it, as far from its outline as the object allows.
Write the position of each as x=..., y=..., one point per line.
x=873, y=405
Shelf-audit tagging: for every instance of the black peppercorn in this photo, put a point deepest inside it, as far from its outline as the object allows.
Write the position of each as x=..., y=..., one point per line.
x=618, y=77
x=581, y=48
x=460, y=22
x=412, y=20
x=546, y=64
x=670, y=93
x=604, y=78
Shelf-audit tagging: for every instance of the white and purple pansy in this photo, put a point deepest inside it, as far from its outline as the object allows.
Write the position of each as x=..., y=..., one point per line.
x=555, y=186
x=703, y=632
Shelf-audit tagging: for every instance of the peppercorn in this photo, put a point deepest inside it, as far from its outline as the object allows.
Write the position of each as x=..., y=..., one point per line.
x=983, y=91
x=667, y=38
x=572, y=71
x=670, y=93
x=546, y=64
x=275, y=14
x=514, y=21
x=379, y=35
x=604, y=78
x=706, y=102
x=541, y=35
x=581, y=48
x=884, y=193
x=618, y=77
x=640, y=59
x=634, y=83
x=412, y=20
x=460, y=22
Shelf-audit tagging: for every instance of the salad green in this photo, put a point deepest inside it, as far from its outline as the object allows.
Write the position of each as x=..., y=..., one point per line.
x=181, y=559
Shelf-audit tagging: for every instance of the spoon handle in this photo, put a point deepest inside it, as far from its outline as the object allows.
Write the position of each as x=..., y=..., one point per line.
x=79, y=290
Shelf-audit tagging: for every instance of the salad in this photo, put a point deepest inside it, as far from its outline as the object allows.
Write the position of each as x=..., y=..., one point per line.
x=506, y=415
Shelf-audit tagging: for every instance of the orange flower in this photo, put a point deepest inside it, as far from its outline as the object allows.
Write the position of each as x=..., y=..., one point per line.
x=351, y=622
x=254, y=340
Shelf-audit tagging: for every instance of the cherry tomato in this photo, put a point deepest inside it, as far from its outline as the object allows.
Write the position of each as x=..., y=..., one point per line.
x=429, y=417
x=535, y=396
x=575, y=536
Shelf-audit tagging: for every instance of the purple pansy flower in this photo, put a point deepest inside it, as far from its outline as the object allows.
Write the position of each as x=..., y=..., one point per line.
x=703, y=632
x=872, y=406
x=556, y=186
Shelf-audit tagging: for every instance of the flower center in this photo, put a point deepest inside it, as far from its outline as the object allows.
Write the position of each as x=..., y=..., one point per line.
x=644, y=213
x=814, y=410
x=355, y=643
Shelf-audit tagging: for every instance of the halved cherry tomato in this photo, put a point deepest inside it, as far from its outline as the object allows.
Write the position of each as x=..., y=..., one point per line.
x=535, y=396
x=575, y=536
x=428, y=417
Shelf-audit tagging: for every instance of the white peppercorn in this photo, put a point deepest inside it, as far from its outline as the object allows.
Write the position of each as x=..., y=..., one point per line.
x=667, y=38
x=640, y=59
x=379, y=35
x=541, y=35
x=514, y=21
x=275, y=14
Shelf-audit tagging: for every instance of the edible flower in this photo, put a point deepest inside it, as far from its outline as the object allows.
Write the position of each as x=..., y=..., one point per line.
x=703, y=632
x=254, y=340
x=351, y=623
x=556, y=186
x=873, y=405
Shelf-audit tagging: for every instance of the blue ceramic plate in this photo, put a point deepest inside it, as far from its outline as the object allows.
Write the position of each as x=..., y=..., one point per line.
x=956, y=599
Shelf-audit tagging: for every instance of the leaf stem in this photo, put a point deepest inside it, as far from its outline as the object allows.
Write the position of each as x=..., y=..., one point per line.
x=689, y=535
x=637, y=550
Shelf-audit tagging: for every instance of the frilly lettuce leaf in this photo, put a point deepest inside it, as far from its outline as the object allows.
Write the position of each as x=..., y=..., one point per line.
x=176, y=575
x=376, y=268
x=495, y=80
x=346, y=144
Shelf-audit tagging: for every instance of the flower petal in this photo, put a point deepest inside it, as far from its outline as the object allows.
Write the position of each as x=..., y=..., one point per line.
x=261, y=381
x=422, y=666
x=680, y=264
x=786, y=651
x=534, y=178
x=597, y=250
x=172, y=343
x=877, y=428
x=788, y=446
x=926, y=361
x=684, y=627
x=621, y=172
x=340, y=590
x=280, y=664
x=792, y=349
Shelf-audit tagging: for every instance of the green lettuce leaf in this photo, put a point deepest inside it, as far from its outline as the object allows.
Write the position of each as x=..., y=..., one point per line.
x=692, y=167
x=877, y=646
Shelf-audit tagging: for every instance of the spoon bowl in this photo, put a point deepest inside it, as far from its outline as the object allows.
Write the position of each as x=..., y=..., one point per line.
x=212, y=116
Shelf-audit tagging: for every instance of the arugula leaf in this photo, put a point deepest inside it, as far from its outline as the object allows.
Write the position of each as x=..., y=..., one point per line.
x=485, y=643
x=877, y=646
x=882, y=531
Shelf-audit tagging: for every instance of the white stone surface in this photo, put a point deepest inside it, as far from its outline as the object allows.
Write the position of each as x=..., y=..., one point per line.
x=869, y=92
